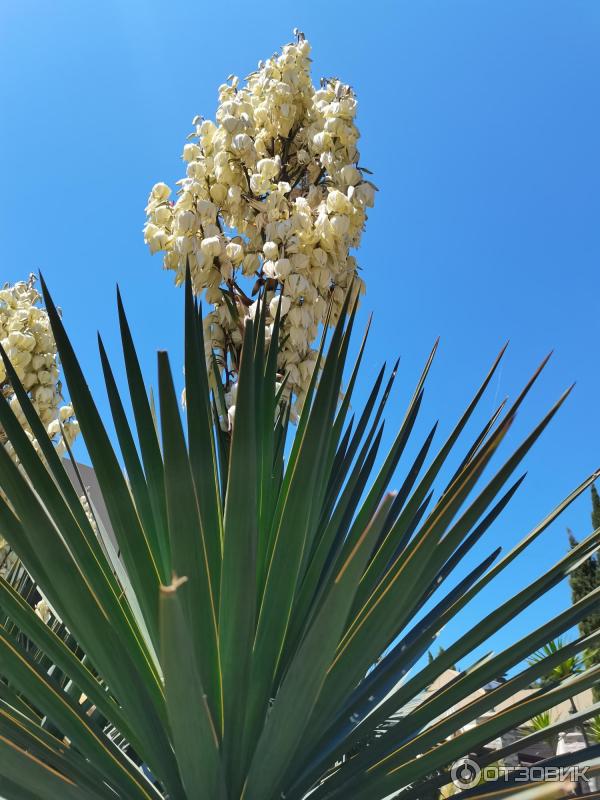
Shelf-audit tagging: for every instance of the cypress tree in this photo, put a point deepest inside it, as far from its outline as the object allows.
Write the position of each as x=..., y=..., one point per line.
x=595, y=508
x=583, y=580
x=431, y=657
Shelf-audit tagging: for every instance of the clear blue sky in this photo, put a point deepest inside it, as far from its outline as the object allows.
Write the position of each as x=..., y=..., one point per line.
x=480, y=121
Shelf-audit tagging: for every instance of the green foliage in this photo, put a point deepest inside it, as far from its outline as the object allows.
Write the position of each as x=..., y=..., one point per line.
x=431, y=658
x=572, y=664
x=542, y=722
x=595, y=507
x=593, y=727
x=268, y=594
x=584, y=579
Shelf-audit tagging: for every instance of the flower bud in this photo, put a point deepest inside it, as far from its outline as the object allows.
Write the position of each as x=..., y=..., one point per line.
x=250, y=264
x=157, y=238
x=231, y=124
x=213, y=294
x=160, y=193
x=338, y=203
x=340, y=224
x=53, y=429
x=183, y=245
x=299, y=339
x=207, y=128
x=242, y=143
x=350, y=175
x=300, y=262
x=322, y=141
x=235, y=252
x=218, y=192
x=365, y=194
x=283, y=267
x=162, y=215
x=191, y=151
x=257, y=183
x=43, y=395
x=269, y=269
x=65, y=412
x=211, y=246
x=42, y=610
x=271, y=251
x=206, y=210
x=269, y=167
x=185, y=222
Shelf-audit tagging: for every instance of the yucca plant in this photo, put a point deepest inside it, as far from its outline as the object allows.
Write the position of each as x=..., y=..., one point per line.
x=541, y=723
x=231, y=645
x=594, y=728
x=572, y=665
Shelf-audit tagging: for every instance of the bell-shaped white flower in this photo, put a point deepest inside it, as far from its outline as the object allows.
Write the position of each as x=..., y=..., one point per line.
x=279, y=300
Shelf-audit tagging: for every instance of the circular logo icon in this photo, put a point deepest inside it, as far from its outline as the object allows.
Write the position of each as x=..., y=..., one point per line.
x=465, y=773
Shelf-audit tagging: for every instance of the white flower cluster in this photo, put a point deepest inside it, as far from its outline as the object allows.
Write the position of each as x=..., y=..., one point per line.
x=273, y=191
x=26, y=336
x=43, y=610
